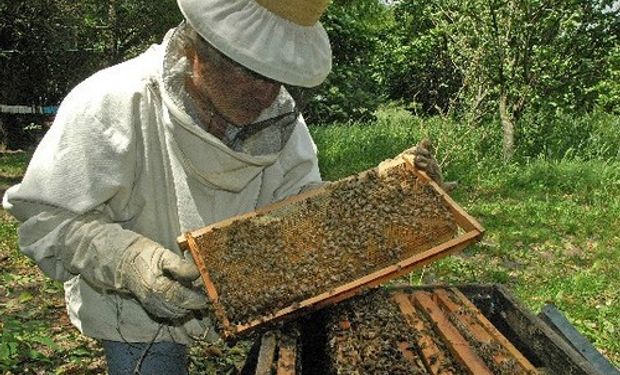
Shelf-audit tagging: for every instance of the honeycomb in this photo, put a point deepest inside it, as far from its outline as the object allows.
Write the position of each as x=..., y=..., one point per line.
x=278, y=258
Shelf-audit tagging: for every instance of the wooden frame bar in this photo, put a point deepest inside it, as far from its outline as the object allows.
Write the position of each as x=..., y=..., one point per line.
x=456, y=343
x=431, y=354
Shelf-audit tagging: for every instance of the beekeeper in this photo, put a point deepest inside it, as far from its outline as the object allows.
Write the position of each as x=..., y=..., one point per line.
x=192, y=131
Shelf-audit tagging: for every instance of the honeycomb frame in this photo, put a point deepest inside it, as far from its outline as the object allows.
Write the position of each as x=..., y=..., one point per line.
x=469, y=231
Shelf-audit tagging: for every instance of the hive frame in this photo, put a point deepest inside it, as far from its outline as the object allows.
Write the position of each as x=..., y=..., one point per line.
x=472, y=232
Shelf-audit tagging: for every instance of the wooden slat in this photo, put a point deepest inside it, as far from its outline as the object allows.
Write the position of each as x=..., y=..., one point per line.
x=467, y=317
x=432, y=356
x=266, y=354
x=461, y=314
x=453, y=339
x=287, y=358
x=497, y=335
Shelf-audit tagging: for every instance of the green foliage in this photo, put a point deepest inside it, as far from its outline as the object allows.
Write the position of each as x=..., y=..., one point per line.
x=608, y=89
x=351, y=147
x=50, y=46
x=351, y=91
x=560, y=135
x=122, y=29
x=415, y=65
x=551, y=214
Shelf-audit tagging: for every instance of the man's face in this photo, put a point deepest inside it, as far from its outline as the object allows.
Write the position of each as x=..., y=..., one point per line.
x=236, y=93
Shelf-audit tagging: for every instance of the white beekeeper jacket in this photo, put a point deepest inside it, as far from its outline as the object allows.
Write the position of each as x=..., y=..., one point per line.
x=123, y=161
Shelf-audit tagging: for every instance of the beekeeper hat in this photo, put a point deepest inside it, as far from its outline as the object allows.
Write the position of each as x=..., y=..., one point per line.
x=279, y=39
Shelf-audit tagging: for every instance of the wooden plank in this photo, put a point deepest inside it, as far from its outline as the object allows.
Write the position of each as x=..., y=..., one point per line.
x=470, y=319
x=287, y=358
x=454, y=340
x=463, y=315
x=266, y=354
x=432, y=356
x=555, y=353
x=554, y=319
x=523, y=363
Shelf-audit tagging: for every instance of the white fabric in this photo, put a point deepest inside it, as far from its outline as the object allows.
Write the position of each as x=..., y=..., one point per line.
x=112, y=165
x=262, y=41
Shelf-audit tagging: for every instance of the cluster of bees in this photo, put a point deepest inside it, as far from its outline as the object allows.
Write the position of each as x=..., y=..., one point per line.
x=367, y=335
x=354, y=227
x=363, y=336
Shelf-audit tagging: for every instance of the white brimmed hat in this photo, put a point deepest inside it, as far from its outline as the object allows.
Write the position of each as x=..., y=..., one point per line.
x=279, y=39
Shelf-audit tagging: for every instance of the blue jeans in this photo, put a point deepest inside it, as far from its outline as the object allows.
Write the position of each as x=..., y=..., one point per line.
x=145, y=359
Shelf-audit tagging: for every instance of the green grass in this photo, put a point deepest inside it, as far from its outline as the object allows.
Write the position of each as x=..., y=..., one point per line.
x=552, y=235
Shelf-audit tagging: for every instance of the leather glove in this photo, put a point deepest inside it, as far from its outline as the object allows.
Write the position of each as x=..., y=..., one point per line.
x=160, y=279
x=424, y=159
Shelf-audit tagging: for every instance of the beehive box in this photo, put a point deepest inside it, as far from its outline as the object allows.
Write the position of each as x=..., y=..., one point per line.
x=419, y=332
x=464, y=329
x=326, y=245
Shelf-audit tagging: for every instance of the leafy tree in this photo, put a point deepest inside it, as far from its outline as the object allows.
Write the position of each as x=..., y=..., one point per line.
x=414, y=60
x=121, y=29
x=48, y=46
x=352, y=90
x=511, y=55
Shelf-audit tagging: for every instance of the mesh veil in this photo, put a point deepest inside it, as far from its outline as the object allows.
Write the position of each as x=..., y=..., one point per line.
x=266, y=135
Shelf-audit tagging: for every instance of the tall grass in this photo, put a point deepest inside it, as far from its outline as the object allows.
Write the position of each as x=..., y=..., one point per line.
x=465, y=152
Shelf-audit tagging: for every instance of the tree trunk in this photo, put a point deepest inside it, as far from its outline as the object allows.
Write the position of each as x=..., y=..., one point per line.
x=113, y=57
x=3, y=137
x=508, y=127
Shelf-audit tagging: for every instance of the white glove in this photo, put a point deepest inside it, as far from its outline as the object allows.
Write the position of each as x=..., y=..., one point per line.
x=160, y=279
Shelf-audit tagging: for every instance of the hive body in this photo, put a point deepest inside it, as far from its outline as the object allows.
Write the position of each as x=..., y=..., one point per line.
x=436, y=332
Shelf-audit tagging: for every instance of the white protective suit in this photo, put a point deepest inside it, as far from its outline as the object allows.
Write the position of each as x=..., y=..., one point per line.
x=122, y=161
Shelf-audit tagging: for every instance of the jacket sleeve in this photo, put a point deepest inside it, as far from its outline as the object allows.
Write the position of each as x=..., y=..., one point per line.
x=74, y=195
x=300, y=163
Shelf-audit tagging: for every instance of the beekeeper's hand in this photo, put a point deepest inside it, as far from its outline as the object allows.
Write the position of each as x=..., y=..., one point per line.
x=424, y=159
x=160, y=279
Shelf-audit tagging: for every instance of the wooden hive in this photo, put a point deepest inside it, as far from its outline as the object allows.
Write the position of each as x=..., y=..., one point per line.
x=441, y=329
x=419, y=332
x=326, y=245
